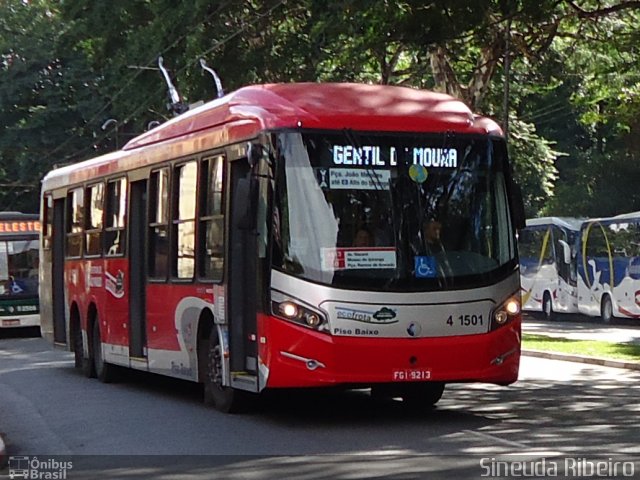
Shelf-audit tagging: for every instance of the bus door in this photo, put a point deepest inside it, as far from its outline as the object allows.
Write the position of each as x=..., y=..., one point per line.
x=242, y=276
x=57, y=272
x=137, y=274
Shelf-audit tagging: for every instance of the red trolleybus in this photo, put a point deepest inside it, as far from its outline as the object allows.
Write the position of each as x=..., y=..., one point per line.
x=293, y=235
x=19, y=234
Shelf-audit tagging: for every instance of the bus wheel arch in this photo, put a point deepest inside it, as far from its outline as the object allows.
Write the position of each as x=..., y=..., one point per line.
x=547, y=306
x=606, y=308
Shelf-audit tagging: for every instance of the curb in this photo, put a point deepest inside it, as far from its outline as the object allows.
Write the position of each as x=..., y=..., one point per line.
x=604, y=362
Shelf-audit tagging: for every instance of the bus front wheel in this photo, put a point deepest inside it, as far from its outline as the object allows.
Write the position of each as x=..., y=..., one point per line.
x=606, y=310
x=419, y=395
x=221, y=397
x=414, y=395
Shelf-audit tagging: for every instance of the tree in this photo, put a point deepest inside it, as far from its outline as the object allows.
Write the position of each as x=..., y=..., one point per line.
x=45, y=97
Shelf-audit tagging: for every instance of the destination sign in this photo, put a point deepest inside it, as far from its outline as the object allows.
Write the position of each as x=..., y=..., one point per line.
x=30, y=226
x=376, y=156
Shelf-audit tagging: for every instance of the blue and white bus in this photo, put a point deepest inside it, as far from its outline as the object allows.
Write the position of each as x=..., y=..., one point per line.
x=609, y=267
x=548, y=248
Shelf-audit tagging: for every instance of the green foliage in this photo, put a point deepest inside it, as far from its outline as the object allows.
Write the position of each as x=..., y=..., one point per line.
x=68, y=66
x=587, y=348
x=45, y=97
x=534, y=165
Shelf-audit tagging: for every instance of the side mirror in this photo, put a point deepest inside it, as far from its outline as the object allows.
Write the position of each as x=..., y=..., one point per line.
x=566, y=252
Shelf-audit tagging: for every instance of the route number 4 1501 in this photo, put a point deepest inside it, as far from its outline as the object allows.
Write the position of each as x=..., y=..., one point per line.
x=465, y=320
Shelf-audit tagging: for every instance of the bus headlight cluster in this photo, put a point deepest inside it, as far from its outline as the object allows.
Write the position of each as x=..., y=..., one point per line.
x=294, y=312
x=505, y=312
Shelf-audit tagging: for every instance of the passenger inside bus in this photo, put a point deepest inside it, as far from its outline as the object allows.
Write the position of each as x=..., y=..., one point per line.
x=363, y=238
x=431, y=231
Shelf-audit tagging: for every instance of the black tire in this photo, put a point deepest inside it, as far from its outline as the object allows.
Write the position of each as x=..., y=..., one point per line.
x=222, y=398
x=105, y=372
x=547, y=307
x=78, y=348
x=422, y=395
x=606, y=309
x=82, y=363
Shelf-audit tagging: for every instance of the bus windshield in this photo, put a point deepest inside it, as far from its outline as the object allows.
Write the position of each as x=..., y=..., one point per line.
x=18, y=268
x=394, y=212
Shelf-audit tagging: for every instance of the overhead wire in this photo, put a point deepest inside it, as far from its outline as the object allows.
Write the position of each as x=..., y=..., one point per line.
x=126, y=85
x=161, y=87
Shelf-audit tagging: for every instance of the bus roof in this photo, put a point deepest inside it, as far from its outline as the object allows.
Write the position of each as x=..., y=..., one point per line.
x=242, y=114
x=571, y=223
x=18, y=216
x=618, y=218
x=328, y=106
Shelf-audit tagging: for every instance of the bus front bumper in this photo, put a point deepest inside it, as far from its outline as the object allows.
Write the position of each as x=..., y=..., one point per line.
x=294, y=356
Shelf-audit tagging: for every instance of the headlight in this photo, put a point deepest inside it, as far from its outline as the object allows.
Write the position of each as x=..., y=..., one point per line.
x=293, y=311
x=506, y=312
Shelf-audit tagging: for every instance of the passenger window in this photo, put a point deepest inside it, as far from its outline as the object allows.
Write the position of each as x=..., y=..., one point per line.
x=94, y=217
x=115, y=231
x=159, y=224
x=47, y=227
x=75, y=221
x=184, y=221
x=211, y=222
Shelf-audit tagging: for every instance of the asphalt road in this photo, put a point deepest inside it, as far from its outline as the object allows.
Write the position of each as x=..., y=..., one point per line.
x=152, y=427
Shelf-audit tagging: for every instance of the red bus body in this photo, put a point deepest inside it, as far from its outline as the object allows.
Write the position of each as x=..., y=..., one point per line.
x=80, y=289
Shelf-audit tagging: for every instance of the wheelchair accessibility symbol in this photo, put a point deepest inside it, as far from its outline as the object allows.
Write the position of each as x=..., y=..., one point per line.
x=425, y=267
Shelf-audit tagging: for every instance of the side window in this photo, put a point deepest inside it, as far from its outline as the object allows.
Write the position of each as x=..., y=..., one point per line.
x=159, y=224
x=211, y=221
x=115, y=231
x=94, y=219
x=547, y=247
x=47, y=227
x=75, y=222
x=184, y=220
x=596, y=263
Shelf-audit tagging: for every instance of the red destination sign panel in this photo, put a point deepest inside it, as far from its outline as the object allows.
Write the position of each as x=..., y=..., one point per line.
x=29, y=226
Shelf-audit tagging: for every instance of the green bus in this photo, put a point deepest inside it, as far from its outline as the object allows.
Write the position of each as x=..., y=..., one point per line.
x=19, y=261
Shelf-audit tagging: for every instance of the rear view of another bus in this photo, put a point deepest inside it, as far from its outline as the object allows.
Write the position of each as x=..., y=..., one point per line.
x=548, y=270
x=19, y=260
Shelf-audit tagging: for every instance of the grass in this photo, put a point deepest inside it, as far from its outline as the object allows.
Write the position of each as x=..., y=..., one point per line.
x=588, y=348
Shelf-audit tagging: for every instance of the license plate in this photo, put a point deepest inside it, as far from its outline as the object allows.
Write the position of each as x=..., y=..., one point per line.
x=11, y=323
x=411, y=375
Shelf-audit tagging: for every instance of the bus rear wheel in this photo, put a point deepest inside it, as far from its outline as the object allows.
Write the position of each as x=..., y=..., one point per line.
x=221, y=397
x=547, y=306
x=606, y=309
x=105, y=372
x=82, y=363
